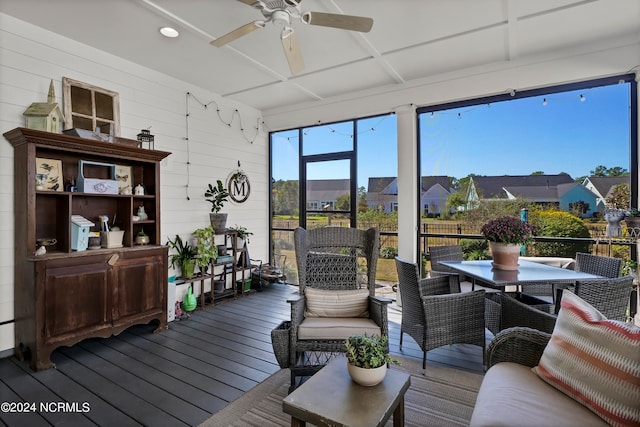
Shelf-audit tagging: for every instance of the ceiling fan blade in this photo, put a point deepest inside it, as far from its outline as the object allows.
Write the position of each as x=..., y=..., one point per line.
x=292, y=51
x=344, y=22
x=237, y=33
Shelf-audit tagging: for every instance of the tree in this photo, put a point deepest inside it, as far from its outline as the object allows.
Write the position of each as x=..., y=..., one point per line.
x=343, y=202
x=620, y=197
x=456, y=200
x=285, y=197
x=537, y=173
x=362, y=199
x=601, y=170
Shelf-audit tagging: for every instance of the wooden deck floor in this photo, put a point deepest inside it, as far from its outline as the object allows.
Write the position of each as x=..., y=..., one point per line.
x=174, y=378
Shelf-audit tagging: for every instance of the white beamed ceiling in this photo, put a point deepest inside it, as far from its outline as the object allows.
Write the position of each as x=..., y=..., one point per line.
x=410, y=40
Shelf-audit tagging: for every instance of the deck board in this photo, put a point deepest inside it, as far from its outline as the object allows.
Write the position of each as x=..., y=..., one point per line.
x=180, y=376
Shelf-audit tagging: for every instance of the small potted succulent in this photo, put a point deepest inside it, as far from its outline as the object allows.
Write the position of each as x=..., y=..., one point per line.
x=367, y=358
x=142, y=238
x=217, y=195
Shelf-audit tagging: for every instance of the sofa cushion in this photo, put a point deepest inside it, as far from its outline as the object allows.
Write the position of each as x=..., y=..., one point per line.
x=325, y=303
x=594, y=361
x=328, y=328
x=512, y=395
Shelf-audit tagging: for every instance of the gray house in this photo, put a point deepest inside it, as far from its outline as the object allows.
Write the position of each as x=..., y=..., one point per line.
x=322, y=194
x=602, y=186
x=541, y=188
x=434, y=191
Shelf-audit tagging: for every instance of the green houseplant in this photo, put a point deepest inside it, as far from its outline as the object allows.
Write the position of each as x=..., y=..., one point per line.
x=367, y=357
x=217, y=195
x=242, y=233
x=185, y=256
x=205, y=247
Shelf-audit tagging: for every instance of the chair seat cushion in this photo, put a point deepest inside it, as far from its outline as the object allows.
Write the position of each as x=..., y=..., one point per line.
x=326, y=303
x=336, y=328
x=512, y=395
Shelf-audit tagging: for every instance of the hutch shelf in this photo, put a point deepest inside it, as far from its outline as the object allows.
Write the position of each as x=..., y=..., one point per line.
x=64, y=295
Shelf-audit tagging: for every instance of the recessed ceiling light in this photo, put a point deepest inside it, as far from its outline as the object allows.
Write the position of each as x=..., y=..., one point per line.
x=169, y=32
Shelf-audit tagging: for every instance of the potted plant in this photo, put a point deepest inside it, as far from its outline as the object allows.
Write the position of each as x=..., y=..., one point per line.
x=185, y=256
x=632, y=218
x=142, y=238
x=217, y=195
x=367, y=358
x=506, y=235
x=205, y=247
x=242, y=235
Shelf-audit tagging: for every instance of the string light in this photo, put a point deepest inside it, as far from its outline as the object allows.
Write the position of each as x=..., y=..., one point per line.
x=544, y=102
x=582, y=98
x=236, y=113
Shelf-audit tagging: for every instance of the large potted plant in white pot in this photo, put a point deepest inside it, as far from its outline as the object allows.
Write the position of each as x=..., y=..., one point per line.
x=367, y=358
x=217, y=195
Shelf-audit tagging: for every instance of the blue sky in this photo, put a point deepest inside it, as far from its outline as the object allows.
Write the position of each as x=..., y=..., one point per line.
x=514, y=137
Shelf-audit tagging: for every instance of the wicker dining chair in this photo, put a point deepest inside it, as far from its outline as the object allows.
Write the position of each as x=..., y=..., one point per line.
x=599, y=265
x=444, y=253
x=609, y=296
x=435, y=313
x=336, y=277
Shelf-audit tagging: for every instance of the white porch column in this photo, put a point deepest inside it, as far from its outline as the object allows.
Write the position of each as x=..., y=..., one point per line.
x=407, y=182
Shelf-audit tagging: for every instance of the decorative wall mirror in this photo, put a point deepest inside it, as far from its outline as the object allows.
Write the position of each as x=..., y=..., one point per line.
x=90, y=107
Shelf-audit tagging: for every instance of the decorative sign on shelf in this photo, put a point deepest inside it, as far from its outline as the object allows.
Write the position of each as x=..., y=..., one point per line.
x=238, y=186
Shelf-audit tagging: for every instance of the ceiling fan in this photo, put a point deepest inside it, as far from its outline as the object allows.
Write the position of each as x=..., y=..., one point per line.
x=281, y=12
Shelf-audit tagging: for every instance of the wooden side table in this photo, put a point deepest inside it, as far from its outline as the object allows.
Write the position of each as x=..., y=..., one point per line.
x=331, y=398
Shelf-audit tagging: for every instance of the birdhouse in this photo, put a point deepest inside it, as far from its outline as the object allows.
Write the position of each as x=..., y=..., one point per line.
x=46, y=116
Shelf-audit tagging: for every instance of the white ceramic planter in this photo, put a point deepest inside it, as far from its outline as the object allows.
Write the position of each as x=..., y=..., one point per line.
x=367, y=377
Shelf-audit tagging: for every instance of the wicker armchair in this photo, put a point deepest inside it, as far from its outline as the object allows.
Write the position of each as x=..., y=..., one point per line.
x=514, y=312
x=517, y=344
x=332, y=259
x=435, y=313
x=609, y=296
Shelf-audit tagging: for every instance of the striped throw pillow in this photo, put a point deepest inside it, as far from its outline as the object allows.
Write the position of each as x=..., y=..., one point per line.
x=594, y=361
x=324, y=303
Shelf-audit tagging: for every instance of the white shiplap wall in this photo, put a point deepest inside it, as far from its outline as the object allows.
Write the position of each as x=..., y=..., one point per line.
x=31, y=57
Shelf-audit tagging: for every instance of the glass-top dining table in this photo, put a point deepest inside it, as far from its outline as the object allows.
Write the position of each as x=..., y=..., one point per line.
x=528, y=272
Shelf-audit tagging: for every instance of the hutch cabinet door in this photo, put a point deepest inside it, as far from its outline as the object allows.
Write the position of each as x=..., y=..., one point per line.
x=140, y=285
x=77, y=299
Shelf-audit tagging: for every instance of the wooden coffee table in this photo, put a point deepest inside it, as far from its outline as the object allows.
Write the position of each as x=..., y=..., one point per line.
x=331, y=398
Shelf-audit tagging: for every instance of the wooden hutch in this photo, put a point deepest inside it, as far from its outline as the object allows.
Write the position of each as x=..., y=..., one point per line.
x=65, y=296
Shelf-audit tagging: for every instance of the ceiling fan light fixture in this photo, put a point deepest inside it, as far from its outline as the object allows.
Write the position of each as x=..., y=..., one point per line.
x=281, y=17
x=169, y=32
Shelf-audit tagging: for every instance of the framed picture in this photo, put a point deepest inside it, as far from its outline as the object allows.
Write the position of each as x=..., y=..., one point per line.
x=49, y=174
x=125, y=178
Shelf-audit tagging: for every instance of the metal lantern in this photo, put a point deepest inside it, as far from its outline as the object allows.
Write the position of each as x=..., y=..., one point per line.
x=145, y=136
